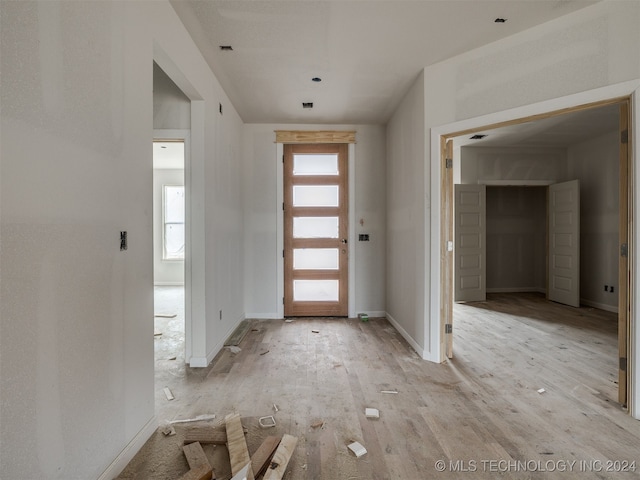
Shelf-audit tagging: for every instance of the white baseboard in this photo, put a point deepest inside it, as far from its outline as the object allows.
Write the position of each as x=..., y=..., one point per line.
x=202, y=362
x=516, y=290
x=374, y=313
x=419, y=350
x=600, y=306
x=264, y=316
x=123, y=459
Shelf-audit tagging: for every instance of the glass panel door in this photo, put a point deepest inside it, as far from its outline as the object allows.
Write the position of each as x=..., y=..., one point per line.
x=316, y=254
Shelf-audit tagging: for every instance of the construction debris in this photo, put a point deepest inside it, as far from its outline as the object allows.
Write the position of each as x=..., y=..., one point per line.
x=372, y=413
x=317, y=424
x=165, y=315
x=541, y=391
x=233, y=349
x=267, y=422
x=270, y=459
x=168, y=394
x=199, y=418
x=167, y=429
x=281, y=458
x=388, y=391
x=265, y=352
x=357, y=448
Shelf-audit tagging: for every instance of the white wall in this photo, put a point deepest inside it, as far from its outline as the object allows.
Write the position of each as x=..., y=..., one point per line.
x=406, y=217
x=165, y=272
x=171, y=107
x=76, y=338
x=516, y=239
x=263, y=205
x=486, y=164
x=596, y=163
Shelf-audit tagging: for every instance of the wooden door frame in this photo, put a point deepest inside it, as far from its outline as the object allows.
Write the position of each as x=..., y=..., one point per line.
x=279, y=306
x=444, y=170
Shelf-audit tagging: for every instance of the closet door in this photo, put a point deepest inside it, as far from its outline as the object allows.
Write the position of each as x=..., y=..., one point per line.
x=470, y=243
x=564, y=243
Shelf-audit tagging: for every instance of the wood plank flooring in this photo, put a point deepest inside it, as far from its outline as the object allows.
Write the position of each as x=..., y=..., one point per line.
x=480, y=413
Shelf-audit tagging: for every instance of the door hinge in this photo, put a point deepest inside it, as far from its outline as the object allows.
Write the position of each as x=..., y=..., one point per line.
x=448, y=328
x=448, y=163
x=623, y=364
x=624, y=136
x=283, y=206
x=624, y=250
x=282, y=253
x=282, y=158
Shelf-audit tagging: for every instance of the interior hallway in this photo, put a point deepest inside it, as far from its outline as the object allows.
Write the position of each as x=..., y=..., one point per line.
x=481, y=407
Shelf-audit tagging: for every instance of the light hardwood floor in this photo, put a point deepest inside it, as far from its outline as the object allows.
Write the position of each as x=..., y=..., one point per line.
x=480, y=413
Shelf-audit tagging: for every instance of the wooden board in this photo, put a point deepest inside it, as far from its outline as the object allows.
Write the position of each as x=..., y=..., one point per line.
x=315, y=136
x=261, y=457
x=237, y=445
x=205, y=435
x=281, y=458
x=203, y=472
x=195, y=455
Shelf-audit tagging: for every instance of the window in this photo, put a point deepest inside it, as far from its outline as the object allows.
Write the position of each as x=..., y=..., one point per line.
x=173, y=222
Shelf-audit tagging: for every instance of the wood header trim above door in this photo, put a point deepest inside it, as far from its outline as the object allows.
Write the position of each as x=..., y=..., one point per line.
x=315, y=136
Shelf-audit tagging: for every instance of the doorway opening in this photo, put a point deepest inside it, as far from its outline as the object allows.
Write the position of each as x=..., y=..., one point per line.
x=621, y=221
x=169, y=250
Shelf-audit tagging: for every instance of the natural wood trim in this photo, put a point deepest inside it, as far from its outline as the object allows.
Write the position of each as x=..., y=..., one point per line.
x=446, y=273
x=315, y=136
x=540, y=116
x=623, y=265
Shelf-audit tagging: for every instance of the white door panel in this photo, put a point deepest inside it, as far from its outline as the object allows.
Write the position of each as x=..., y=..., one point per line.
x=564, y=243
x=470, y=248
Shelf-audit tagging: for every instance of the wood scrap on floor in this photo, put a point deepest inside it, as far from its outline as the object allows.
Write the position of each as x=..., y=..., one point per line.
x=199, y=466
x=262, y=456
x=281, y=458
x=168, y=393
x=237, y=445
x=205, y=435
x=166, y=315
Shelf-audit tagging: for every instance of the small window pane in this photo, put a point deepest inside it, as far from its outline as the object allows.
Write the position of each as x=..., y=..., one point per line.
x=315, y=227
x=315, y=290
x=174, y=240
x=173, y=204
x=315, y=196
x=315, y=259
x=319, y=164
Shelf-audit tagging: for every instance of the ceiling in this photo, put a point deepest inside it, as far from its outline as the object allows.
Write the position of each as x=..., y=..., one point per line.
x=560, y=131
x=366, y=53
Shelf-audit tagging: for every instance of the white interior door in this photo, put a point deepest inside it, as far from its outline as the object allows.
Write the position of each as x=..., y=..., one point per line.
x=564, y=243
x=470, y=245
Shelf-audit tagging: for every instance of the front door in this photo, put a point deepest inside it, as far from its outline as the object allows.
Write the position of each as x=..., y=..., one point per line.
x=316, y=225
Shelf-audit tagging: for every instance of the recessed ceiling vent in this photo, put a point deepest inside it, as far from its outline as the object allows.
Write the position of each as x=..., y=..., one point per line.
x=477, y=136
x=500, y=20
x=226, y=48
x=307, y=104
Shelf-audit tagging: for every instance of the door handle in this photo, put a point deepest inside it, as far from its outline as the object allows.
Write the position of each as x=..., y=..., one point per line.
x=344, y=240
